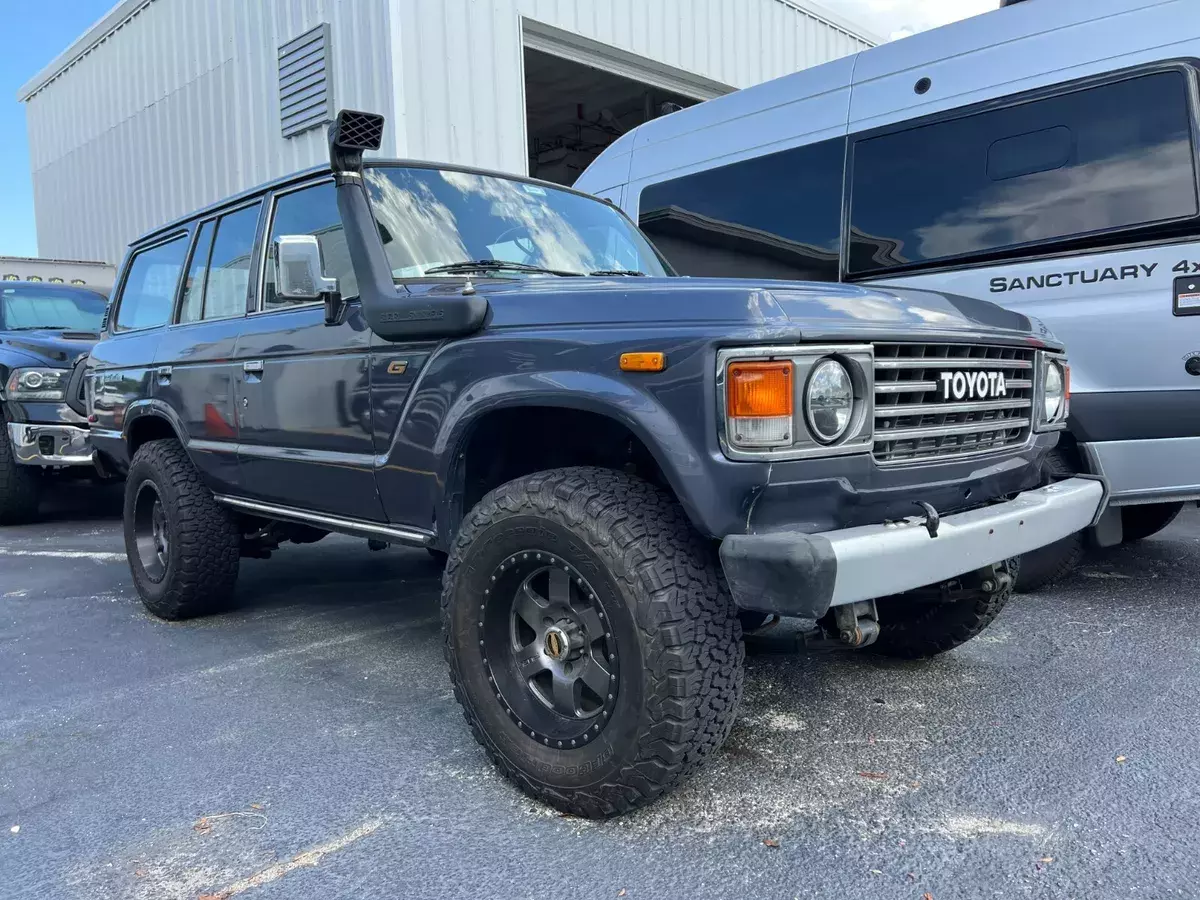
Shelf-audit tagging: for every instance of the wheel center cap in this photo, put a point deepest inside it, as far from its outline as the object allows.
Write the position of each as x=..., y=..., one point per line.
x=556, y=643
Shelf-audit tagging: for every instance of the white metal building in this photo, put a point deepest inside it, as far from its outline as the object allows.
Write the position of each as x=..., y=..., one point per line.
x=164, y=106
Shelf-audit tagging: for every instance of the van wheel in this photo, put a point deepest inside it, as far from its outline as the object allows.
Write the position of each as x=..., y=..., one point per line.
x=1054, y=562
x=20, y=486
x=912, y=627
x=1138, y=522
x=592, y=645
x=183, y=546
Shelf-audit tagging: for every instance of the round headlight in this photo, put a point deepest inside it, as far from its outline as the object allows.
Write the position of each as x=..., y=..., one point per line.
x=829, y=400
x=31, y=381
x=1053, y=398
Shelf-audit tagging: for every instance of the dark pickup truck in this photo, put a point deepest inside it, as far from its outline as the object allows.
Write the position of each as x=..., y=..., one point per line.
x=46, y=331
x=619, y=467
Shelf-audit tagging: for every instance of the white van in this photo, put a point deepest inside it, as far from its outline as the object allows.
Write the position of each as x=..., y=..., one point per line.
x=1043, y=156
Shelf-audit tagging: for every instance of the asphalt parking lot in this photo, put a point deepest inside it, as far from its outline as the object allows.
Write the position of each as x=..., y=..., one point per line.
x=307, y=744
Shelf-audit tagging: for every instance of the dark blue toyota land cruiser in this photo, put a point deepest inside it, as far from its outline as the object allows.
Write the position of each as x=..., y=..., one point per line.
x=621, y=468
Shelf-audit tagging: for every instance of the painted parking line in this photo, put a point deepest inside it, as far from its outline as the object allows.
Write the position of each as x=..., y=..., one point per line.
x=94, y=555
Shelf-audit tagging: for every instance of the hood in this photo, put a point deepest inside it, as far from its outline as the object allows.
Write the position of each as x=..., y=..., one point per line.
x=57, y=349
x=801, y=310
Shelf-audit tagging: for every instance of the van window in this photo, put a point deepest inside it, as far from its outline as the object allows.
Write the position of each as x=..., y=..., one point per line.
x=148, y=295
x=774, y=216
x=1092, y=162
x=314, y=211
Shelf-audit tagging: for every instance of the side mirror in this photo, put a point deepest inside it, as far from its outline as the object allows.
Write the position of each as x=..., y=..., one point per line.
x=298, y=275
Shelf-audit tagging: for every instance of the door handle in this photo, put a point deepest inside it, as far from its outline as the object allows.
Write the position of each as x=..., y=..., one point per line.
x=164, y=375
x=253, y=367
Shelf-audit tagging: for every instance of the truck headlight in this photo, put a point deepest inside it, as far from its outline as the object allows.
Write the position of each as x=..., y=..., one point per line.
x=792, y=402
x=829, y=400
x=1055, y=391
x=37, y=384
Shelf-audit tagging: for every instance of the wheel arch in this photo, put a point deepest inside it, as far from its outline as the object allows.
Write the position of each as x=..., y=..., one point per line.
x=550, y=405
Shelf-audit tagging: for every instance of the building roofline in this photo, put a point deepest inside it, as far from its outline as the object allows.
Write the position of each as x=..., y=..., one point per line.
x=121, y=13
x=51, y=259
x=835, y=20
x=124, y=10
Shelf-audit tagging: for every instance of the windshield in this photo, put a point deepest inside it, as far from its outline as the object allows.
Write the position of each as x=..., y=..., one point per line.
x=27, y=307
x=432, y=219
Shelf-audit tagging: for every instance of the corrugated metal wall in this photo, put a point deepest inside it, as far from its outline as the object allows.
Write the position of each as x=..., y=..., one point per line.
x=179, y=107
x=463, y=86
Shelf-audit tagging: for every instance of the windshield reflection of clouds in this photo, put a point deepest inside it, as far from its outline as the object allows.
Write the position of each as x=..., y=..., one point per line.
x=1135, y=188
x=425, y=230
x=422, y=228
x=558, y=244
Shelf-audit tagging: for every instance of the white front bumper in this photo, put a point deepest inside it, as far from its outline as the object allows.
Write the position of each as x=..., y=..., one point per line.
x=877, y=560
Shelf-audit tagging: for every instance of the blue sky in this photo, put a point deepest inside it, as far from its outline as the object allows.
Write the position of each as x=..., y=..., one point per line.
x=34, y=32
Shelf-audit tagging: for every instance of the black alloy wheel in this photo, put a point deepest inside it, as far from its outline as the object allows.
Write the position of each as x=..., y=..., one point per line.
x=151, y=532
x=551, y=660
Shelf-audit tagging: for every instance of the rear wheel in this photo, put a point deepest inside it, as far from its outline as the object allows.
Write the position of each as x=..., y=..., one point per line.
x=1138, y=522
x=1052, y=563
x=20, y=486
x=922, y=624
x=591, y=642
x=183, y=546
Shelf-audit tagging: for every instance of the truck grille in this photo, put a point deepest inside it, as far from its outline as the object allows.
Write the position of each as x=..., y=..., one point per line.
x=913, y=423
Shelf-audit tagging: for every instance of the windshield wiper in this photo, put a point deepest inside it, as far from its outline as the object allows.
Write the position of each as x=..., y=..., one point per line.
x=618, y=272
x=493, y=265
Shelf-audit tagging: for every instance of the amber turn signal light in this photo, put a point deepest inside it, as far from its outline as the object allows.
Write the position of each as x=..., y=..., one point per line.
x=759, y=389
x=643, y=362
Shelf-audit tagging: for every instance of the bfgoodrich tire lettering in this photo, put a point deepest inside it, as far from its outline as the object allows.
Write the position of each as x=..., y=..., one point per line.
x=192, y=570
x=673, y=625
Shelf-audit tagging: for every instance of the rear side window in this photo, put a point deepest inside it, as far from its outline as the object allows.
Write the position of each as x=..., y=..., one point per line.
x=314, y=211
x=148, y=294
x=1096, y=161
x=219, y=274
x=191, y=309
x=774, y=216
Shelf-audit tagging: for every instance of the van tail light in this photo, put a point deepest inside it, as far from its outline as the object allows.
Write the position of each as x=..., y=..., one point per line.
x=759, y=401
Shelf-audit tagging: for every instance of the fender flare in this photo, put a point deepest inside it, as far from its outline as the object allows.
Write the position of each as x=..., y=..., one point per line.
x=681, y=463
x=140, y=410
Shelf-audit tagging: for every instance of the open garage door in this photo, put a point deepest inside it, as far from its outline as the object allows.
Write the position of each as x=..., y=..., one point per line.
x=581, y=95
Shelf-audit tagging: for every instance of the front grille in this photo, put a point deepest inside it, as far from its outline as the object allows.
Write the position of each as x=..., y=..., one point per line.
x=914, y=424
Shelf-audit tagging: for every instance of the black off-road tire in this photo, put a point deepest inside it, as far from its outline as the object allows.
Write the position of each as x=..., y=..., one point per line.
x=20, y=486
x=1054, y=562
x=676, y=629
x=1140, y=522
x=205, y=540
x=910, y=628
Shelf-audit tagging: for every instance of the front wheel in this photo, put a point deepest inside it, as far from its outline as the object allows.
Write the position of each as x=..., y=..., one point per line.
x=1139, y=522
x=592, y=645
x=20, y=486
x=183, y=546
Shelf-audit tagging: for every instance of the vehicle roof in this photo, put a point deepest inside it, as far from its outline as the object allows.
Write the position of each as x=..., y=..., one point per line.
x=54, y=286
x=305, y=174
x=994, y=54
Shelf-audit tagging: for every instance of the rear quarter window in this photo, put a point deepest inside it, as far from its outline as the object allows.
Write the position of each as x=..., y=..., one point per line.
x=148, y=292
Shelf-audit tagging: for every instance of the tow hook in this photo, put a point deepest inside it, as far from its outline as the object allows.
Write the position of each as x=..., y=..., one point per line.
x=857, y=623
x=932, y=520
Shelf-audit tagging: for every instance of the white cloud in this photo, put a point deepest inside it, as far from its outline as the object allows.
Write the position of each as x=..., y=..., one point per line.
x=900, y=18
